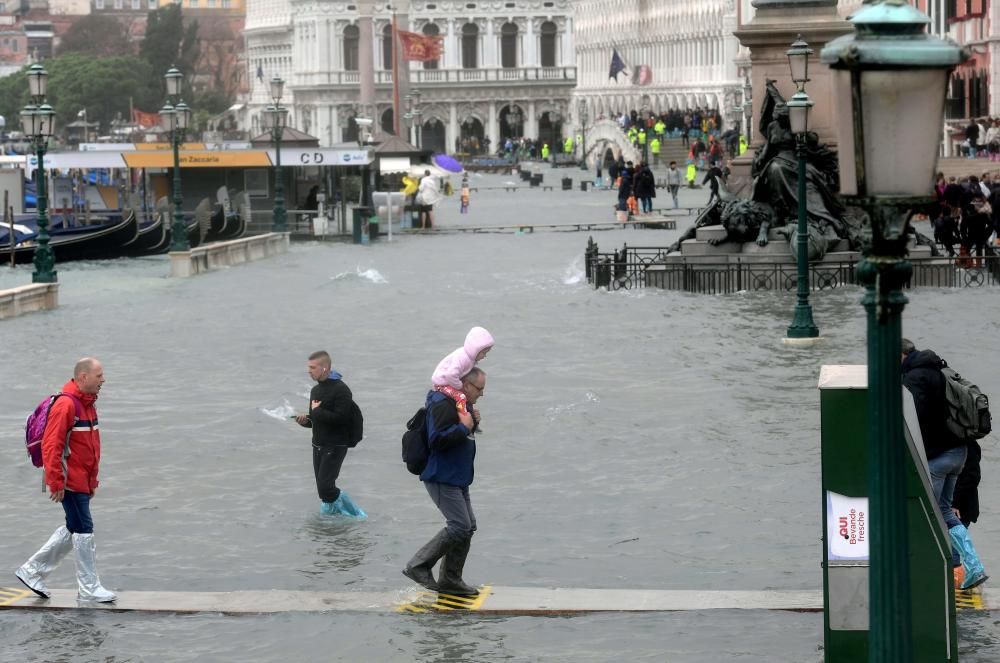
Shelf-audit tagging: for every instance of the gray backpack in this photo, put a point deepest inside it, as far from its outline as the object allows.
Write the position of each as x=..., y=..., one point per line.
x=968, y=407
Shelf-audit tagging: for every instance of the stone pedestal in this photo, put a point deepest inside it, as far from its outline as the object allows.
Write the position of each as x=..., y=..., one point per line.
x=769, y=35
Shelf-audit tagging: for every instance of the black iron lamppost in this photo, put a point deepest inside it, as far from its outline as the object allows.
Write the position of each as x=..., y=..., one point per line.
x=802, y=329
x=38, y=122
x=888, y=69
x=584, y=117
x=175, y=117
x=276, y=119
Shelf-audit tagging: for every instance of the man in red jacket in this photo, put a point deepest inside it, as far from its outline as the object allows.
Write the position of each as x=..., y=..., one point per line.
x=71, y=452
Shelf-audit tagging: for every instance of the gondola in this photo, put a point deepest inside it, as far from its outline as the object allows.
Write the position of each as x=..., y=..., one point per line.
x=83, y=243
x=152, y=239
x=217, y=224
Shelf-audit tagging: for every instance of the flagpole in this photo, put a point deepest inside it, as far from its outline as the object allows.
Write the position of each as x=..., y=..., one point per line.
x=395, y=76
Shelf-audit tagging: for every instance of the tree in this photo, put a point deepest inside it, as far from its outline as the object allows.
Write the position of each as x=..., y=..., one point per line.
x=103, y=86
x=168, y=43
x=98, y=35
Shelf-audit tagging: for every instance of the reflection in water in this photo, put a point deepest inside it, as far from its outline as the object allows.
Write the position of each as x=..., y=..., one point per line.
x=451, y=637
x=341, y=543
x=65, y=636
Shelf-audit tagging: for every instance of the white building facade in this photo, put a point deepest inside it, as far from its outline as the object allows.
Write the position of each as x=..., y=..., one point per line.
x=680, y=55
x=499, y=57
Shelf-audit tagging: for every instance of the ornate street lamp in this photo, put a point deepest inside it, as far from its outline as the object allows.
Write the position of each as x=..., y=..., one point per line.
x=276, y=119
x=584, y=116
x=408, y=116
x=175, y=117
x=38, y=123
x=802, y=329
x=889, y=68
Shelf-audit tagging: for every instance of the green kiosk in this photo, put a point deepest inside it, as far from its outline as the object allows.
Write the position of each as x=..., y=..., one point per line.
x=844, y=430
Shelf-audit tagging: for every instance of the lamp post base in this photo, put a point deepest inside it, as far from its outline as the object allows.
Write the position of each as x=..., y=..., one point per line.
x=802, y=322
x=806, y=342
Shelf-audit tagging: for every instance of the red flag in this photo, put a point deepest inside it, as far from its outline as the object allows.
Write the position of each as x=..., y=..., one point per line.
x=144, y=119
x=423, y=48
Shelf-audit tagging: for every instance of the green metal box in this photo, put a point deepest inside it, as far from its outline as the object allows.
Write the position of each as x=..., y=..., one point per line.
x=845, y=434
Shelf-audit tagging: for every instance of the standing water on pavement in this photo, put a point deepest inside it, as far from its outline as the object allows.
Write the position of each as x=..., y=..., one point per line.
x=643, y=439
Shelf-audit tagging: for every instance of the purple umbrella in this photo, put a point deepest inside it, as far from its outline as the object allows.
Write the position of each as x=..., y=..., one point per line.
x=448, y=163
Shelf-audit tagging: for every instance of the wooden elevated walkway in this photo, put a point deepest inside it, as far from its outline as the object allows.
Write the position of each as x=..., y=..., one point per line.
x=492, y=600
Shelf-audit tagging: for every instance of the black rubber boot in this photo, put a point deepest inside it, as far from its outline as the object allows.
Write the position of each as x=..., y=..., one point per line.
x=450, y=579
x=418, y=569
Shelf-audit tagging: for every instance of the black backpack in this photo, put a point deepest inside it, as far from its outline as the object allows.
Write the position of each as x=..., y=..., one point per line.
x=968, y=407
x=357, y=425
x=415, y=449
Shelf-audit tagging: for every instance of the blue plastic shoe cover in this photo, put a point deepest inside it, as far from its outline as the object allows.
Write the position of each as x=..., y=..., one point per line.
x=345, y=506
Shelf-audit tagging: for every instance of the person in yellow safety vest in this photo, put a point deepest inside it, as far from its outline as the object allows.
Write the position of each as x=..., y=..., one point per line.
x=659, y=128
x=632, y=135
x=568, y=145
x=743, y=144
x=654, y=148
x=642, y=136
x=692, y=174
x=545, y=152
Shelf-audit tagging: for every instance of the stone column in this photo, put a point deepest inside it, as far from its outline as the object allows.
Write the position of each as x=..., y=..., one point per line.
x=366, y=63
x=769, y=36
x=531, y=121
x=452, y=48
x=530, y=51
x=333, y=132
x=490, y=47
x=493, y=127
x=452, y=132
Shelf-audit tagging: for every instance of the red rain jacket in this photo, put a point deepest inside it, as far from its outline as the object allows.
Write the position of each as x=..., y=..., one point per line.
x=84, y=443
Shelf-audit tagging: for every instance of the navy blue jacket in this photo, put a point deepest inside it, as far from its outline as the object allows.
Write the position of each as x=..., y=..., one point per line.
x=453, y=449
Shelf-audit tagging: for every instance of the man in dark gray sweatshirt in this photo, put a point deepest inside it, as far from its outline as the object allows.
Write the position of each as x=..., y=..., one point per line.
x=330, y=418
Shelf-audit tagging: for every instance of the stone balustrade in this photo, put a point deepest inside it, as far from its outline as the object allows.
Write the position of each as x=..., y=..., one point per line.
x=226, y=254
x=28, y=298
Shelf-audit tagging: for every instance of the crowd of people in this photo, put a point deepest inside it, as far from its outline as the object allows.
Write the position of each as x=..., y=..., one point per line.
x=967, y=214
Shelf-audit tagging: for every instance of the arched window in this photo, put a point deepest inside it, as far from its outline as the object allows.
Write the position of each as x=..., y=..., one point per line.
x=387, y=48
x=470, y=46
x=431, y=30
x=508, y=46
x=549, y=33
x=351, y=37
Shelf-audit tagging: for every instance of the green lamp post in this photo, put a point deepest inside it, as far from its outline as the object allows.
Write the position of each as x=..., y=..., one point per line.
x=175, y=116
x=584, y=116
x=38, y=122
x=276, y=119
x=803, y=329
x=889, y=68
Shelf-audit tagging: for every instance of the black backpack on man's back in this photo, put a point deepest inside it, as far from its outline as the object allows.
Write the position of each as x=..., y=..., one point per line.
x=415, y=448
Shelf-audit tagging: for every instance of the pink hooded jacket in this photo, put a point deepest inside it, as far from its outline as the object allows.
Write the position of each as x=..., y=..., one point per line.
x=450, y=370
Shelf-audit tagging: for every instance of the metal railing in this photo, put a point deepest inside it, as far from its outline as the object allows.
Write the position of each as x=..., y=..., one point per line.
x=630, y=268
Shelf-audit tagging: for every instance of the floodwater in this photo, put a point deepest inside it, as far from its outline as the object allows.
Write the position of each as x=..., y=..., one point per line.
x=642, y=439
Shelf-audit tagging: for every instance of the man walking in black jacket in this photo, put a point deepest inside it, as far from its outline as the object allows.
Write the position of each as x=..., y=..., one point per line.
x=946, y=453
x=330, y=418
